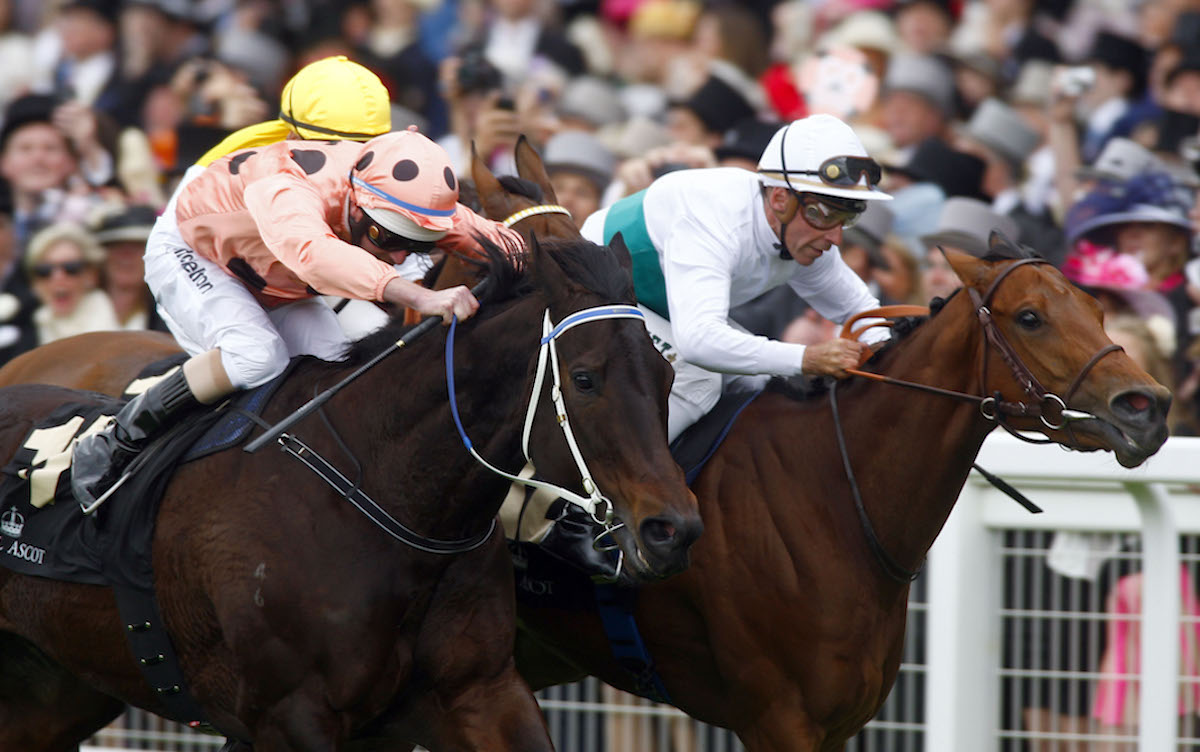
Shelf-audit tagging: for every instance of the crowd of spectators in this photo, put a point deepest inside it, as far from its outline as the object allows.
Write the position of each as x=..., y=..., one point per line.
x=1072, y=126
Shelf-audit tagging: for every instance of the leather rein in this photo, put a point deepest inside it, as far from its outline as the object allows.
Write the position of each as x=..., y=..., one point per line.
x=1045, y=405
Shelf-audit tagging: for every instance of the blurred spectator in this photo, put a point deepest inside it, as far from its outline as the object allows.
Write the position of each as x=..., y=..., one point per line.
x=924, y=26
x=964, y=225
x=42, y=163
x=660, y=33
x=520, y=37
x=702, y=118
x=997, y=134
x=1119, y=67
x=733, y=33
x=392, y=49
x=122, y=233
x=589, y=103
x=922, y=183
x=63, y=262
x=83, y=64
x=16, y=50
x=481, y=114
x=1012, y=37
x=918, y=99
x=862, y=246
x=977, y=77
x=17, y=301
x=580, y=168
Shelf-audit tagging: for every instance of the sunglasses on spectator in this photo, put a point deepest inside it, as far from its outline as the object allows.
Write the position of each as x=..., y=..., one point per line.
x=846, y=171
x=386, y=240
x=70, y=268
x=822, y=213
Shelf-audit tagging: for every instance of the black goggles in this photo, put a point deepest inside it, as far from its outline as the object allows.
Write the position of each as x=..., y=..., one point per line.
x=846, y=171
x=386, y=240
x=826, y=213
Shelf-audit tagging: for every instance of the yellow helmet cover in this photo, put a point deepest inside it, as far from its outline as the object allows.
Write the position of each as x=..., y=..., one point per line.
x=335, y=98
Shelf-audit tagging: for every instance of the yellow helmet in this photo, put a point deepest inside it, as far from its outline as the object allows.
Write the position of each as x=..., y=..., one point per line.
x=335, y=98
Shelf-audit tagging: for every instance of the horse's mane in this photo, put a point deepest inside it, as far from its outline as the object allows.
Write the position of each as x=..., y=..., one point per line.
x=522, y=187
x=595, y=268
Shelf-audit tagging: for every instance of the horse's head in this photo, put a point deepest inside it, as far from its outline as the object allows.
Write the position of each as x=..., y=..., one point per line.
x=1048, y=352
x=503, y=198
x=614, y=385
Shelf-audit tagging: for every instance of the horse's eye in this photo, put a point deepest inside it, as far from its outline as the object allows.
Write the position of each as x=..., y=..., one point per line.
x=1029, y=319
x=584, y=381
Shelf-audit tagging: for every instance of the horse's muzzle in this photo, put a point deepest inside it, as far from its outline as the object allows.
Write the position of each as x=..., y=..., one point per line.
x=665, y=541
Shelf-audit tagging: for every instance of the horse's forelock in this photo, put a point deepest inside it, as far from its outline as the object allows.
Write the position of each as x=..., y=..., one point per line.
x=595, y=267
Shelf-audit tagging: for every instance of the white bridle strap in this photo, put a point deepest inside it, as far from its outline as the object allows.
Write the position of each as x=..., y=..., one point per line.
x=548, y=355
x=533, y=211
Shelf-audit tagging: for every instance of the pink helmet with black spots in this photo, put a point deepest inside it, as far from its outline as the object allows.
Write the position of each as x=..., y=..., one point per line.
x=404, y=183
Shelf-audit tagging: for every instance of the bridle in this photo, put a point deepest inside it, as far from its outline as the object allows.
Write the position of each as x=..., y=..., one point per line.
x=992, y=407
x=596, y=504
x=1047, y=406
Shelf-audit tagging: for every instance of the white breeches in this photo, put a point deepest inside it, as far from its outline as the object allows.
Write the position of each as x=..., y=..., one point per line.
x=206, y=308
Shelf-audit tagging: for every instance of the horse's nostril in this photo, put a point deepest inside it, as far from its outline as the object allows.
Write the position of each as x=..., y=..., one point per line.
x=658, y=532
x=1138, y=402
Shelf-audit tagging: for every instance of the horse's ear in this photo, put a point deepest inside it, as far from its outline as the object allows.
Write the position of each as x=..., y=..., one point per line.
x=490, y=191
x=531, y=167
x=968, y=268
x=617, y=244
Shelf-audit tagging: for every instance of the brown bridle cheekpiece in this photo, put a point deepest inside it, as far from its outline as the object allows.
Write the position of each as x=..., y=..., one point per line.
x=1046, y=406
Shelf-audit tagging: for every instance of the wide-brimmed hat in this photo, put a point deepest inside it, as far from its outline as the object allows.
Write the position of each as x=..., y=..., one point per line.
x=125, y=224
x=747, y=139
x=967, y=223
x=925, y=75
x=1002, y=129
x=1120, y=160
x=868, y=29
x=718, y=104
x=956, y=172
x=577, y=151
x=1121, y=53
x=1149, y=197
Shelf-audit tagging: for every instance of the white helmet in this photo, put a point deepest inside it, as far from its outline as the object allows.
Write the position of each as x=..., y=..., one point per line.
x=820, y=154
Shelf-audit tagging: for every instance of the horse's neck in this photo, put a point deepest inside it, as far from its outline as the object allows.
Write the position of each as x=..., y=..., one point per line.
x=927, y=442
x=418, y=463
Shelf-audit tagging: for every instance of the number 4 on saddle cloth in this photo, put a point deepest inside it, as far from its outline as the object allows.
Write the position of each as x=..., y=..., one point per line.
x=43, y=530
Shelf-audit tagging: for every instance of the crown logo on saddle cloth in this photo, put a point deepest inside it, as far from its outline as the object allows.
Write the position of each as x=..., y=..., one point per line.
x=12, y=523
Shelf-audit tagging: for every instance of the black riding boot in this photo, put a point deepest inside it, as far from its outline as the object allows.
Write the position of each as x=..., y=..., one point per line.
x=573, y=540
x=99, y=460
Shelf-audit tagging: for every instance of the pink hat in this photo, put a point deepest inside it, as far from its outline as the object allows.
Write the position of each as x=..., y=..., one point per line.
x=405, y=182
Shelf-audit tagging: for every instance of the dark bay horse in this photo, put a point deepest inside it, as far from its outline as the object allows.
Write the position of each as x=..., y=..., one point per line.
x=301, y=626
x=787, y=627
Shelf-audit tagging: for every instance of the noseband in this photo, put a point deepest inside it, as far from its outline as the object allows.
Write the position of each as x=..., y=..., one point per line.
x=991, y=407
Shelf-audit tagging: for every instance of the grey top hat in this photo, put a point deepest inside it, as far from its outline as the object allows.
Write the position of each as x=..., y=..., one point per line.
x=925, y=75
x=593, y=100
x=1002, y=129
x=872, y=227
x=1120, y=160
x=966, y=223
x=581, y=152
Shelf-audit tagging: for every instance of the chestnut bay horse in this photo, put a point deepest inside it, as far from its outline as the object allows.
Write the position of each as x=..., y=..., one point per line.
x=298, y=625
x=788, y=626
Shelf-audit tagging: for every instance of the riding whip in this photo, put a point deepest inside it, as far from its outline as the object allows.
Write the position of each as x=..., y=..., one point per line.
x=277, y=430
